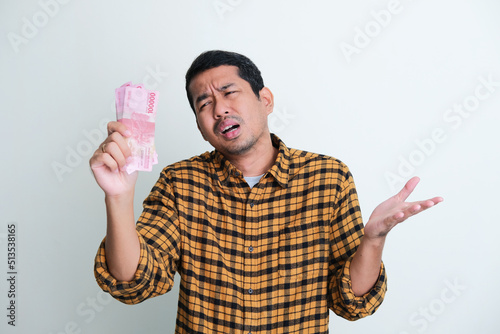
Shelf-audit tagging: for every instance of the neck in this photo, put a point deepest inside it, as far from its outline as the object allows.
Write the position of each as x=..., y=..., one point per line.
x=257, y=161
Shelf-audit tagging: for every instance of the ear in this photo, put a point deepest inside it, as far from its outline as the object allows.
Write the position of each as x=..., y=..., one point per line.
x=267, y=98
x=198, y=125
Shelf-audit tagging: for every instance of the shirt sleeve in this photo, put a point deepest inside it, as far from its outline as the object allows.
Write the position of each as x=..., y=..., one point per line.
x=159, y=238
x=346, y=232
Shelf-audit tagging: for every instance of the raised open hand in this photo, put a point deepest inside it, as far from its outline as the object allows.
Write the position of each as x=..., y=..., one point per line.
x=396, y=210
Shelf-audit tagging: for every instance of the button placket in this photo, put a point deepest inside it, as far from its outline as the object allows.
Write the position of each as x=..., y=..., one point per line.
x=250, y=235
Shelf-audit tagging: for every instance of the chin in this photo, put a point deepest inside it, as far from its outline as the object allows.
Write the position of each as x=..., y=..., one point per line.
x=240, y=148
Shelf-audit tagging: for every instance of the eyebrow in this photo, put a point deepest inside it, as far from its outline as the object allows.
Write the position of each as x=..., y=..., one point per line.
x=204, y=96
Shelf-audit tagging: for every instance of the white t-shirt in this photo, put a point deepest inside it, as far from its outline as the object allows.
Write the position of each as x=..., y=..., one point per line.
x=252, y=180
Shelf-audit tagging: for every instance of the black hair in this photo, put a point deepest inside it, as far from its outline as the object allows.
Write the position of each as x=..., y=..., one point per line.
x=215, y=58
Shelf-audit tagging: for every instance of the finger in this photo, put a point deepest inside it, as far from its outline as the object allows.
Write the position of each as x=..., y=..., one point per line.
x=401, y=216
x=118, y=127
x=100, y=160
x=430, y=202
x=117, y=138
x=393, y=220
x=408, y=188
x=437, y=200
x=415, y=208
x=115, y=152
x=398, y=216
x=110, y=162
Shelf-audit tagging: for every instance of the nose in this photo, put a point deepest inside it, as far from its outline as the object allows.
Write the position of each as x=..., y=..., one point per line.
x=220, y=109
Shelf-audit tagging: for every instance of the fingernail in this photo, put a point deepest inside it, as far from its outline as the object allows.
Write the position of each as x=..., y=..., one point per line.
x=128, y=133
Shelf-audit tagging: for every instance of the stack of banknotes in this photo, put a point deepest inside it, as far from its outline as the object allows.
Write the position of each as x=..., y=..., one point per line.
x=136, y=108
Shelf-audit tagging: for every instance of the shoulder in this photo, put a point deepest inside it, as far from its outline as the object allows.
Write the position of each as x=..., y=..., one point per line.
x=200, y=164
x=304, y=161
x=327, y=173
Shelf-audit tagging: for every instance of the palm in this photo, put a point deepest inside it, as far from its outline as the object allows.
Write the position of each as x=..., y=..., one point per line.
x=395, y=210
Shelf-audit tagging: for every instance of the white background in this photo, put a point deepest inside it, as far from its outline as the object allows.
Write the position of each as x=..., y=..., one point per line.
x=349, y=81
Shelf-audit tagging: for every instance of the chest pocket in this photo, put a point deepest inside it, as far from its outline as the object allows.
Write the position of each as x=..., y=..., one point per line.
x=302, y=250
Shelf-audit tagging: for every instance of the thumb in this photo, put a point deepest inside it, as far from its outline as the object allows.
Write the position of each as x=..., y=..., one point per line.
x=408, y=188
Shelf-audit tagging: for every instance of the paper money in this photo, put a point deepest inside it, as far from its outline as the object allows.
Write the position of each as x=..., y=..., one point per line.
x=136, y=108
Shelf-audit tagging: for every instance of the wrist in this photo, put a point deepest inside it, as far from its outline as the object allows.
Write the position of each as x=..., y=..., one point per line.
x=374, y=242
x=121, y=199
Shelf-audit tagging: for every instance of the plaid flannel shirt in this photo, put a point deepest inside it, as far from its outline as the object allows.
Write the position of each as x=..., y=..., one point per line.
x=271, y=259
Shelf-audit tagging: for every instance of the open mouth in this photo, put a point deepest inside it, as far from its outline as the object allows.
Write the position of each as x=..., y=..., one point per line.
x=230, y=128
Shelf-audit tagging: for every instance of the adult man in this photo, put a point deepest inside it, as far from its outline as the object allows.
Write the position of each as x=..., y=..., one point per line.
x=266, y=239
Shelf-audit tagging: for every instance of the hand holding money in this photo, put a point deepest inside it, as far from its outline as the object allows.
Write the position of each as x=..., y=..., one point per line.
x=109, y=158
x=128, y=148
x=136, y=108
x=130, y=143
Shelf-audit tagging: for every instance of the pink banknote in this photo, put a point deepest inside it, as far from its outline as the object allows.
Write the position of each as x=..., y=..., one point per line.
x=136, y=108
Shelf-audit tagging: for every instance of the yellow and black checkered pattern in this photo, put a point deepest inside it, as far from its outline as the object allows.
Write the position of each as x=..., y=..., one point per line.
x=271, y=259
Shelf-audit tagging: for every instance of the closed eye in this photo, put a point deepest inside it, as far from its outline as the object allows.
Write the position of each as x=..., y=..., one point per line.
x=204, y=105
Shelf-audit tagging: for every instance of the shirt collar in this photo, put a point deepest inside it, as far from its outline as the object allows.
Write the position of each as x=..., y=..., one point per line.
x=280, y=169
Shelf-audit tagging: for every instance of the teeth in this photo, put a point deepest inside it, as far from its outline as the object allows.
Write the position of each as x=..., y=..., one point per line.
x=228, y=128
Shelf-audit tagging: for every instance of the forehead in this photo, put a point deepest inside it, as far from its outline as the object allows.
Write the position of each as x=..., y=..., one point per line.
x=214, y=78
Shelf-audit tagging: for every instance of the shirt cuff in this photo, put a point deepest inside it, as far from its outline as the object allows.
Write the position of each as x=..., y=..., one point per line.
x=361, y=306
x=123, y=289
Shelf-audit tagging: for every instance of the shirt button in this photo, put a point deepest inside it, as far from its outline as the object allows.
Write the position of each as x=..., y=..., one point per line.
x=250, y=249
x=250, y=291
x=251, y=205
x=236, y=173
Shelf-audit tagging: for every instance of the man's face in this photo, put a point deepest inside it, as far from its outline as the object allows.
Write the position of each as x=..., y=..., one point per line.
x=229, y=115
